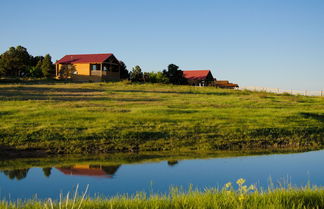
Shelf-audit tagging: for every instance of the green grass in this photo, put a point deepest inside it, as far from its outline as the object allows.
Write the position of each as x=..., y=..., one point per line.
x=105, y=117
x=244, y=196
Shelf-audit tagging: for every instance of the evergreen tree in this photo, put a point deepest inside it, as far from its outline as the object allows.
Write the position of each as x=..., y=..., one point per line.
x=174, y=75
x=15, y=62
x=47, y=65
x=123, y=71
x=35, y=60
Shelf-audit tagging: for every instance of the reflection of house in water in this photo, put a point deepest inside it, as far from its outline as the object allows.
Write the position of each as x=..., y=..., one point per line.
x=90, y=170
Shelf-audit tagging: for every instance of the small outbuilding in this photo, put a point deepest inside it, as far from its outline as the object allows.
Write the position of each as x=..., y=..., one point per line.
x=225, y=84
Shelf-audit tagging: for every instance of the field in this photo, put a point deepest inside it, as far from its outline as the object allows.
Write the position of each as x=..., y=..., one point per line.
x=110, y=117
x=243, y=196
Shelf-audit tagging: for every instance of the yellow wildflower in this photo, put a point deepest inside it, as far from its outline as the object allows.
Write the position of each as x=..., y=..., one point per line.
x=228, y=185
x=240, y=181
x=244, y=188
x=241, y=197
x=252, y=187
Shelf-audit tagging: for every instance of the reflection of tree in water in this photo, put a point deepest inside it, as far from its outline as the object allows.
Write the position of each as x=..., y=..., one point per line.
x=22, y=173
x=17, y=173
x=172, y=162
x=47, y=171
x=109, y=170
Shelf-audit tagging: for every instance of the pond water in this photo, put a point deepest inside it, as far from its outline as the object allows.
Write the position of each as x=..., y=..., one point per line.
x=111, y=178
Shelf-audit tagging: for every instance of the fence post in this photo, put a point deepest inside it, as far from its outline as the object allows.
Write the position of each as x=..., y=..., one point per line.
x=321, y=93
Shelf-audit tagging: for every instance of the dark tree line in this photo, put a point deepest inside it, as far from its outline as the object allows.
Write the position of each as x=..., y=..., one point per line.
x=17, y=62
x=172, y=75
x=19, y=174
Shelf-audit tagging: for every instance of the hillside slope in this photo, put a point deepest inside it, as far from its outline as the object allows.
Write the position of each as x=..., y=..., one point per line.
x=103, y=117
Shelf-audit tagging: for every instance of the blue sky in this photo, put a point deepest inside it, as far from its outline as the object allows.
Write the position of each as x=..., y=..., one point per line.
x=277, y=43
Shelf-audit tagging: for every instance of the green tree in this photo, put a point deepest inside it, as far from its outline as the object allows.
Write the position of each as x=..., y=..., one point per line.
x=146, y=77
x=161, y=78
x=35, y=70
x=2, y=72
x=15, y=62
x=156, y=77
x=174, y=75
x=123, y=71
x=67, y=71
x=136, y=75
x=35, y=60
x=47, y=66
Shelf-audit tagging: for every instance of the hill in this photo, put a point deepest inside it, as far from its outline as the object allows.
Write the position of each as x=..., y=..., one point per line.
x=105, y=117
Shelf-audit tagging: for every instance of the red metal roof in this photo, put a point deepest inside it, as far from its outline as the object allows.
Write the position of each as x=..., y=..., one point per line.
x=195, y=74
x=83, y=58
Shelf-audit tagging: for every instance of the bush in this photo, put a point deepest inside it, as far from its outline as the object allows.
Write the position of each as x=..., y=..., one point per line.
x=157, y=77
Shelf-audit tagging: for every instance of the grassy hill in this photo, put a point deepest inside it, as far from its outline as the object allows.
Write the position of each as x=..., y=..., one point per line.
x=103, y=117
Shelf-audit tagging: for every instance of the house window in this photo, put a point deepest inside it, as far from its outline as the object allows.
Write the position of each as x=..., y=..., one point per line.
x=94, y=66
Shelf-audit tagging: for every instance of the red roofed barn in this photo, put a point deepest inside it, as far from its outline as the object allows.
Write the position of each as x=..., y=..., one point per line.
x=88, y=67
x=198, y=77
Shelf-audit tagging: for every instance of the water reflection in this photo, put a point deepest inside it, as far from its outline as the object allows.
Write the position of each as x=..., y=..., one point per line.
x=74, y=170
x=47, y=171
x=17, y=174
x=172, y=162
x=127, y=174
x=90, y=170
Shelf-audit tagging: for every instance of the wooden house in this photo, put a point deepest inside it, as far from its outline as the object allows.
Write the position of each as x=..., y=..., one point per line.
x=198, y=77
x=88, y=67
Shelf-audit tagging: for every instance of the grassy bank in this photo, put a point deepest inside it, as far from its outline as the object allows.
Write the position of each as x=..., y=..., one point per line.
x=12, y=164
x=105, y=117
x=227, y=198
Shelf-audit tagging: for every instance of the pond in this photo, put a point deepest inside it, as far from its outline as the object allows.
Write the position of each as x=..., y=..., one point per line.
x=124, y=174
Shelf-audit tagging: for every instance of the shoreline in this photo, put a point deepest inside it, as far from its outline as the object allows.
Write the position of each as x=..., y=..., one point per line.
x=245, y=196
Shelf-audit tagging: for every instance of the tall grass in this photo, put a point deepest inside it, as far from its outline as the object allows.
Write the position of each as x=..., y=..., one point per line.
x=226, y=198
x=102, y=117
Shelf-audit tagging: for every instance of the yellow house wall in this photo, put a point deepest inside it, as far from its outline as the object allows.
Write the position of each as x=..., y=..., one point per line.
x=83, y=69
x=84, y=73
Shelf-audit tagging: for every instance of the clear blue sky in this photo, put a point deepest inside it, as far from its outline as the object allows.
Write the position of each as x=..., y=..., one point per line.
x=277, y=43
